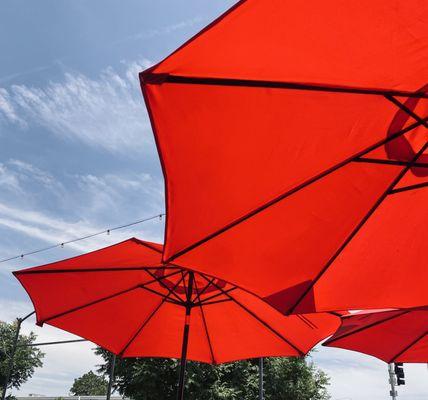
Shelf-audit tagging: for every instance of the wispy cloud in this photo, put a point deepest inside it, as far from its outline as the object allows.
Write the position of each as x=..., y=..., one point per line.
x=16, y=177
x=7, y=109
x=165, y=30
x=19, y=74
x=45, y=228
x=111, y=192
x=84, y=205
x=25, y=171
x=8, y=179
x=106, y=112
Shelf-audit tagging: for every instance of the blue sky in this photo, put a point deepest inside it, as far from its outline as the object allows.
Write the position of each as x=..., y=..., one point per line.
x=77, y=155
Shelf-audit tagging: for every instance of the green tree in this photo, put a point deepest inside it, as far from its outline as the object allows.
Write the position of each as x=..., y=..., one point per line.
x=89, y=384
x=26, y=359
x=294, y=379
x=155, y=378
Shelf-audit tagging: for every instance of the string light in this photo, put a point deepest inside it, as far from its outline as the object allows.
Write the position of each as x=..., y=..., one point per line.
x=62, y=244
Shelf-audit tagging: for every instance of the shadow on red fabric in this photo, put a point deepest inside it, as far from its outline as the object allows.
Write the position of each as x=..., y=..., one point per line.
x=400, y=149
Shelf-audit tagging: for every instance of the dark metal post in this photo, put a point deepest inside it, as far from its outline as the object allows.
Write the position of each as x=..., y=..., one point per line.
x=261, y=393
x=392, y=382
x=12, y=356
x=183, y=361
x=19, y=321
x=111, y=377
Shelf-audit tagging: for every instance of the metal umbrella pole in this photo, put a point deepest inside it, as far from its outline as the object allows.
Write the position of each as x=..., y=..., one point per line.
x=183, y=361
x=111, y=377
x=19, y=321
x=261, y=393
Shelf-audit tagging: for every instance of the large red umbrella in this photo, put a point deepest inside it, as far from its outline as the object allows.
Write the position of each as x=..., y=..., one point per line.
x=293, y=135
x=392, y=336
x=126, y=300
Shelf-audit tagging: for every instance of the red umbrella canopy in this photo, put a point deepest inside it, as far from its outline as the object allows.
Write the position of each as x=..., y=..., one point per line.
x=392, y=336
x=293, y=135
x=124, y=299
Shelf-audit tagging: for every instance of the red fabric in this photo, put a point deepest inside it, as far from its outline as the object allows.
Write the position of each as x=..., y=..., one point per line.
x=369, y=43
x=111, y=298
x=392, y=336
x=272, y=178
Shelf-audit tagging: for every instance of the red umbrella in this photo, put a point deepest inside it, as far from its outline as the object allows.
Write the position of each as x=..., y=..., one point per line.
x=392, y=336
x=302, y=123
x=126, y=300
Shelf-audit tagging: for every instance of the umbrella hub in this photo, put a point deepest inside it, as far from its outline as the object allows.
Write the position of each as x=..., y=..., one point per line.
x=191, y=289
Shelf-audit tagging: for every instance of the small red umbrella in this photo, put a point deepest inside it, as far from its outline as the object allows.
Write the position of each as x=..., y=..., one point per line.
x=126, y=300
x=302, y=123
x=392, y=336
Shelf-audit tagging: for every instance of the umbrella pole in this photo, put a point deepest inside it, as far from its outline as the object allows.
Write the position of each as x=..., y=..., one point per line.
x=111, y=376
x=183, y=361
x=261, y=378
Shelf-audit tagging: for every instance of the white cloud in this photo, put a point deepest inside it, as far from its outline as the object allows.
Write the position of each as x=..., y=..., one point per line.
x=109, y=192
x=8, y=179
x=359, y=377
x=49, y=230
x=42, y=227
x=17, y=175
x=165, y=30
x=7, y=110
x=92, y=204
x=107, y=112
x=25, y=172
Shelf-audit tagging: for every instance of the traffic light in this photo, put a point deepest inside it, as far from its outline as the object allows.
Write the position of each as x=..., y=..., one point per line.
x=399, y=373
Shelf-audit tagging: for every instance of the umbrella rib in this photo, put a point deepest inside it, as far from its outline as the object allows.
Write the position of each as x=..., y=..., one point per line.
x=199, y=294
x=205, y=324
x=363, y=328
x=255, y=316
x=292, y=191
x=162, y=295
x=159, y=280
x=147, y=320
x=82, y=270
x=203, y=301
x=407, y=110
x=419, y=338
x=155, y=78
x=411, y=187
x=389, y=162
x=103, y=299
x=145, y=244
x=89, y=304
x=306, y=321
x=208, y=303
x=359, y=226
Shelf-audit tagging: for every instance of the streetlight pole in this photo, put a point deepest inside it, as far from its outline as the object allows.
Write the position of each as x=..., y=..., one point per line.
x=19, y=321
x=393, y=392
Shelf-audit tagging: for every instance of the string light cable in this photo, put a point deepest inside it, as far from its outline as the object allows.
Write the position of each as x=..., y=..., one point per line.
x=91, y=235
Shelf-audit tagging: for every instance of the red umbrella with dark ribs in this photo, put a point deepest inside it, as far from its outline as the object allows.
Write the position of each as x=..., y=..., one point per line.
x=126, y=300
x=293, y=134
x=392, y=336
